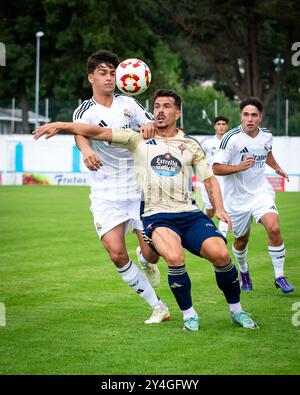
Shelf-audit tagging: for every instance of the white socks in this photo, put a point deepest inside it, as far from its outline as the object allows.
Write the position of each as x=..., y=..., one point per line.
x=235, y=307
x=135, y=278
x=277, y=255
x=191, y=312
x=241, y=258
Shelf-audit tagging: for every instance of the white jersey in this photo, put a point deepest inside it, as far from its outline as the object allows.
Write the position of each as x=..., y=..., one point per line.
x=210, y=146
x=241, y=188
x=115, y=180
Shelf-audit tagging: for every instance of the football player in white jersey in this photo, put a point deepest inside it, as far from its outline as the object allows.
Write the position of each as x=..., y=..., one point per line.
x=171, y=217
x=115, y=201
x=210, y=146
x=243, y=154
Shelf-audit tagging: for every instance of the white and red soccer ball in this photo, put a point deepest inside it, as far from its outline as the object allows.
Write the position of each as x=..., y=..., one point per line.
x=133, y=76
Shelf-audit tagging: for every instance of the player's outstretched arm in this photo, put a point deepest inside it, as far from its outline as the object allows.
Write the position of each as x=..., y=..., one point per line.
x=94, y=131
x=214, y=192
x=275, y=166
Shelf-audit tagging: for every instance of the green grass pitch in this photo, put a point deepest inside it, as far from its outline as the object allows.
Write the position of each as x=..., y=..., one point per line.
x=68, y=311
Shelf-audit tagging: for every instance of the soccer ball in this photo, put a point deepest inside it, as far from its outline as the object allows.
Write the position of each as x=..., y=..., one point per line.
x=133, y=76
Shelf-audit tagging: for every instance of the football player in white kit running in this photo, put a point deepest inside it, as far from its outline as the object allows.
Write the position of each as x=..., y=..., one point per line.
x=210, y=145
x=243, y=154
x=115, y=202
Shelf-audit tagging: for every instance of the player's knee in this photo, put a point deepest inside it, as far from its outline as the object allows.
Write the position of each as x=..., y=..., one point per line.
x=222, y=257
x=118, y=257
x=174, y=258
x=274, y=231
x=240, y=244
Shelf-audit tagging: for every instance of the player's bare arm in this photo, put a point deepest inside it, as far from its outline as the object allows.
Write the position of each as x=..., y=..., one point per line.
x=94, y=131
x=221, y=169
x=270, y=161
x=215, y=196
x=90, y=158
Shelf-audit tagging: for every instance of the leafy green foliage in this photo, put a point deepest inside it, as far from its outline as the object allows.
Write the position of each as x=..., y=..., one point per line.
x=167, y=68
x=184, y=43
x=228, y=33
x=199, y=109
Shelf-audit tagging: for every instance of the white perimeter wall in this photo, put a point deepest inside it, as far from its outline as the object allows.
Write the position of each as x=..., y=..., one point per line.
x=56, y=156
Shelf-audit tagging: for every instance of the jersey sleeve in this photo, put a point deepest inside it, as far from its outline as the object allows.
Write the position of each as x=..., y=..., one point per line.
x=201, y=167
x=140, y=115
x=269, y=144
x=203, y=144
x=223, y=154
x=125, y=138
x=81, y=116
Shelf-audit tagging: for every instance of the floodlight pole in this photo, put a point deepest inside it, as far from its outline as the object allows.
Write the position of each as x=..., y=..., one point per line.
x=278, y=61
x=38, y=35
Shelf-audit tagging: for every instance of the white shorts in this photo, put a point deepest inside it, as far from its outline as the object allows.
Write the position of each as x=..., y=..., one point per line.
x=108, y=214
x=261, y=205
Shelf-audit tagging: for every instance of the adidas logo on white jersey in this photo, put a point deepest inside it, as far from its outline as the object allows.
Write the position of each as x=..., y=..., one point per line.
x=244, y=150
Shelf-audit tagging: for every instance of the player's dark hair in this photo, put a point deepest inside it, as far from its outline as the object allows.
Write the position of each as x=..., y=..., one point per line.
x=102, y=56
x=252, y=101
x=168, y=93
x=221, y=118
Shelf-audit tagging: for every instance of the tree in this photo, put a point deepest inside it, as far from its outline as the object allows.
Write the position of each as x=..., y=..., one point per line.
x=19, y=22
x=73, y=30
x=199, y=109
x=103, y=24
x=238, y=40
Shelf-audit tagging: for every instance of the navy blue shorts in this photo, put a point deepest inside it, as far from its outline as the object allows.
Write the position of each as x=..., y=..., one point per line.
x=192, y=227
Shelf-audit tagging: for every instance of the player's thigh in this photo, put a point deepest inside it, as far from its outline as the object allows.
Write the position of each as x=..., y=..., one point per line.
x=270, y=222
x=197, y=231
x=215, y=250
x=240, y=243
x=168, y=244
x=114, y=240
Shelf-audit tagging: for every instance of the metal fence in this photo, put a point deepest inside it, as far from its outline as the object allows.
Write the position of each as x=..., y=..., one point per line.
x=197, y=117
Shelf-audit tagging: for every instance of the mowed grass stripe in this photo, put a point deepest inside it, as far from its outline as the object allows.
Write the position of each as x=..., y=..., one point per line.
x=68, y=312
